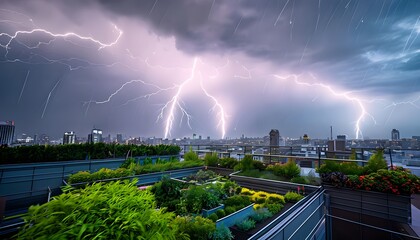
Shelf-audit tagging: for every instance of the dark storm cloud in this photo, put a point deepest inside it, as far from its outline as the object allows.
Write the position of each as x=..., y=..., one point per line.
x=367, y=47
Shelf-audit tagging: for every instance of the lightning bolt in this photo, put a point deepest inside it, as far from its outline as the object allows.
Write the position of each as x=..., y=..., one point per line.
x=345, y=95
x=221, y=113
x=394, y=105
x=48, y=98
x=174, y=102
x=23, y=88
x=100, y=44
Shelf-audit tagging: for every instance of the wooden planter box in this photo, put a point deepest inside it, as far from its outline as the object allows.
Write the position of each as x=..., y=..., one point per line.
x=382, y=205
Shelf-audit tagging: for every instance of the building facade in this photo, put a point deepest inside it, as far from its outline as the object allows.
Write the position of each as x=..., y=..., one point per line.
x=69, y=138
x=95, y=136
x=7, y=132
x=395, y=135
x=274, y=137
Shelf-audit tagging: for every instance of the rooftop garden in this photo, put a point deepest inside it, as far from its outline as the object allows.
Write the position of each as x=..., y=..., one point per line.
x=374, y=176
x=169, y=209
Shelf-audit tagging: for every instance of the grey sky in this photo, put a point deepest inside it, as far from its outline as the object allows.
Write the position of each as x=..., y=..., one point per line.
x=296, y=65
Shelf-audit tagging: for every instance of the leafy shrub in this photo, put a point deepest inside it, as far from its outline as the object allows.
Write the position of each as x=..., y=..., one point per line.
x=167, y=193
x=328, y=167
x=277, y=169
x=387, y=181
x=299, y=179
x=351, y=168
x=228, y=163
x=274, y=207
x=229, y=210
x=222, y=233
x=275, y=198
x=246, y=191
x=211, y=159
x=246, y=225
x=190, y=156
x=231, y=188
x=196, y=227
x=82, y=176
x=292, y=197
x=196, y=198
x=213, y=217
x=128, y=162
x=112, y=211
x=291, y=169
x=260, y=215
x=259, y=197
x=221, y=213
x=247, y=163
x=258, y=165
x=376, y=162
x=237, y=201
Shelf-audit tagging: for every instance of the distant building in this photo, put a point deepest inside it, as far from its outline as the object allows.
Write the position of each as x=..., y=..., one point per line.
x=69, y=138
x=395, y=135
x=95, y=136
x=120, y=138
x=7, y=132
x=341, y=137
x=44, y=139
x=274, y=137
x=305, y=138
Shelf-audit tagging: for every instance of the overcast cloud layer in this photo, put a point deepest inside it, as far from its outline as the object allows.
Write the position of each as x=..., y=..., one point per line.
x=245, y=67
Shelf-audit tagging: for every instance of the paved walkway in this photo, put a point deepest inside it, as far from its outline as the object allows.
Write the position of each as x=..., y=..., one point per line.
x=415, y=213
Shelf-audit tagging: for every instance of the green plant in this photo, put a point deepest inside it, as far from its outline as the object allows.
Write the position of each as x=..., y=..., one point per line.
x=246, y=225
x=211, y=159
x=197, y=198
x=388, y=181
x=190, y=156
x=221, y=213
x=229, y=210
x=247, y=163
x=213, y=217
x=291, y=169
x=261, y=214
x=167, y=193
x=328, y=166
x=116, y=210
x=299, y=179
x=376, y=162
x=222, y=233
x=231, y=188
x=237, y=201
x=258, y=165
x=292, y=197
x=228, y=163
x=196, y=227
x=274, y=207
x=82, y=176
x=128, y=162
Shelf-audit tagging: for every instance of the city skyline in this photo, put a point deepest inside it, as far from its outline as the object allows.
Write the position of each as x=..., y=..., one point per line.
x=220, y=69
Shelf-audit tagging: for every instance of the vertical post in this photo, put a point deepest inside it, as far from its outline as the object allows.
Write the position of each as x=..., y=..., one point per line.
x=363, y=157
x=390, y=158
x=319, y=157
x=328, y=220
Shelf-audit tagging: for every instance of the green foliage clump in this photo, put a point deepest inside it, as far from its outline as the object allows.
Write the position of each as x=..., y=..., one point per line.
x=191, y=156
x=348, y=167
x=211, y=159
x=222, y=233
x=229, y=210
x=115, y=210
x=246, y=225
x=258, y=165
x=288, y=170
x=274, y=208
x=195, y=227
x=260, y=215
x=228, y=163
x=167, y=193
x=293, y=197
x=221, y=213
x=376, y=162
x=213, y=217
x=102, y=174
x=231, y=188
x=237, y=201
x=67, y=152
x=247, y=163
x=197, y=198
x=128, y=162
x=300, y=180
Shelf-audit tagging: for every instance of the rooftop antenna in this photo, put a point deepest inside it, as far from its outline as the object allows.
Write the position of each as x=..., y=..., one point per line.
x=331, y=133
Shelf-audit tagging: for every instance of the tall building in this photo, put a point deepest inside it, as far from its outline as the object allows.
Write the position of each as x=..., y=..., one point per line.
x=274, y=137
x=7, y=132
x=395, y=135
x=95, y=136
x=69, y=138
x=120, y=138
